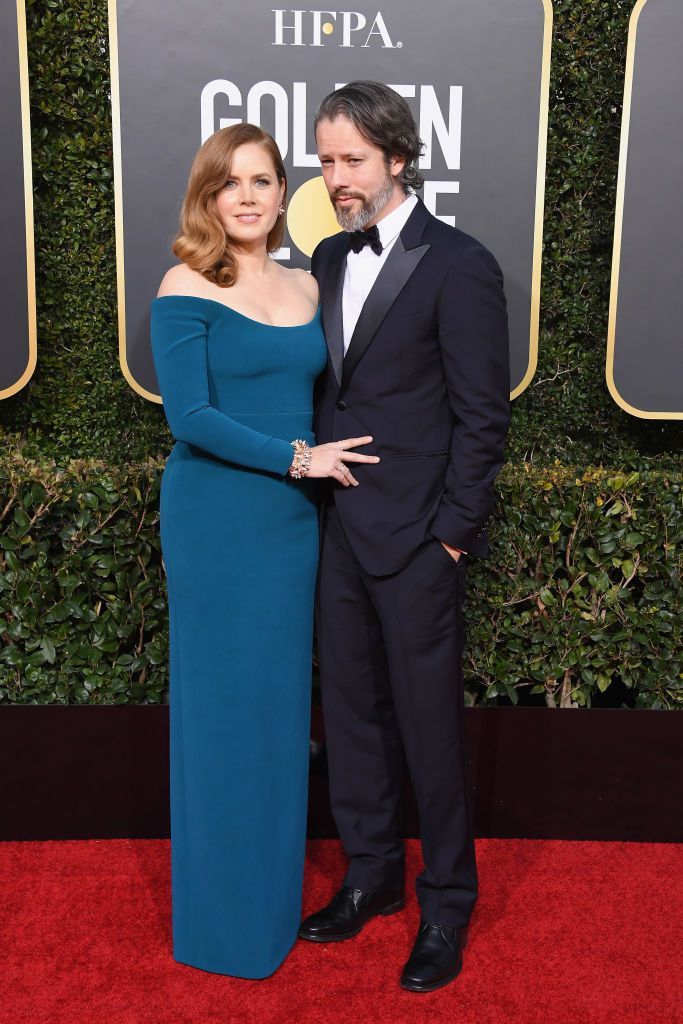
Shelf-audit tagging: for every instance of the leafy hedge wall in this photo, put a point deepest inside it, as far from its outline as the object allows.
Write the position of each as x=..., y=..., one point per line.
x=82, y=591
x=582, y=592
x=579, y=600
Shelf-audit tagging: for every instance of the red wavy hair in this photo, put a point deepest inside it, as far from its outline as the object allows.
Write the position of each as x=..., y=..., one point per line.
x=202, y=241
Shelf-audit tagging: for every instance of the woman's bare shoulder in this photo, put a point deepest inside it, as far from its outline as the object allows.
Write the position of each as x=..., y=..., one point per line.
x=305, y=281
x=181, y=280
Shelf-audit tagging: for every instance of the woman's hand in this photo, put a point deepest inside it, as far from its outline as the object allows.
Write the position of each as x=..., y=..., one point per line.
x=330, y=459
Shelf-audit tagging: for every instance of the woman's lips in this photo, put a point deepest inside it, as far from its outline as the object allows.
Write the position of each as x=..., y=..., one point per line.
x=248, y=218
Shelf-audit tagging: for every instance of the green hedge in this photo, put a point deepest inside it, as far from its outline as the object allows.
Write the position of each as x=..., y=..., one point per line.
x=82, y=595
x=581, y=593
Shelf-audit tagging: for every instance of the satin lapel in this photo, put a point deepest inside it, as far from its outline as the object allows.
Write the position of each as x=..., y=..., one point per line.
x=331, y=297
x=399, y=266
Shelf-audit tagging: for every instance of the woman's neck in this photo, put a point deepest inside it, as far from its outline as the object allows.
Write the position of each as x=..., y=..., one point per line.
x=252, y=263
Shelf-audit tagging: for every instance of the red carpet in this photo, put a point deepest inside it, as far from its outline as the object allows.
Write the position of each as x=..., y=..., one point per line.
x=587, y=933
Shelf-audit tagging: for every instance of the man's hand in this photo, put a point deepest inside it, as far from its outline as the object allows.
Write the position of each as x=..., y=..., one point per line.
x=455, y=553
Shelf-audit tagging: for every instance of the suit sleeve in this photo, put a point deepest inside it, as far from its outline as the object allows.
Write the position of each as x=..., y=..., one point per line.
x=179, y=348
x=473, y=335
x=315, y=260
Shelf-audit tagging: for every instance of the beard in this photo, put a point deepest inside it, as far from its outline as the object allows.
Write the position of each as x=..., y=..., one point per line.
x=371, y=205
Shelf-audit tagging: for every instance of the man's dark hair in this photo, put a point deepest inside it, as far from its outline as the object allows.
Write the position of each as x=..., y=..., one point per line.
x=383, y=118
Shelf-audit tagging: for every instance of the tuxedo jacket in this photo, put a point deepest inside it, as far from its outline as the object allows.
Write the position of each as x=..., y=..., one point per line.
x=426, y=375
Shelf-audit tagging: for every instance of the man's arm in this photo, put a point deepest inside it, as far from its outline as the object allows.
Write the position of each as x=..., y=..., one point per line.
x=316, y=258
x=473, y=333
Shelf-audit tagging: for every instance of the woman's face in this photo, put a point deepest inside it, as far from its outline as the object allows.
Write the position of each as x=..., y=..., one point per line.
x=249, y=201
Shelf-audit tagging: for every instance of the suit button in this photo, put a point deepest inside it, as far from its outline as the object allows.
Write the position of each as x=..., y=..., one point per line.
x=342, y=405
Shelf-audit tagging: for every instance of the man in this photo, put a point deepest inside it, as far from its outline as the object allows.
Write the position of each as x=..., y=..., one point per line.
x=416, y=325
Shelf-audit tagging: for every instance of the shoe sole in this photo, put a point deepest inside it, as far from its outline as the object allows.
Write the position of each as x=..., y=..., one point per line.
x=393, y=908
x=435, y=985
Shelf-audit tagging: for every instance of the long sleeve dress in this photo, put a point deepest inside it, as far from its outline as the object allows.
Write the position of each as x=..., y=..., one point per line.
x=240, y=545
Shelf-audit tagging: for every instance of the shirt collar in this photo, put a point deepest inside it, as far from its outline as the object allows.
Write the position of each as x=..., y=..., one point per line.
x=392, y=225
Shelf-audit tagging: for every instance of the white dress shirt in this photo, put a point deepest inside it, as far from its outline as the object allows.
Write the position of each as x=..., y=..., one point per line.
x=362, y=268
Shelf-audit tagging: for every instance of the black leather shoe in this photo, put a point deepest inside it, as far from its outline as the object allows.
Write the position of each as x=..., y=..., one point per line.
x=436, y=958
x=348, y=912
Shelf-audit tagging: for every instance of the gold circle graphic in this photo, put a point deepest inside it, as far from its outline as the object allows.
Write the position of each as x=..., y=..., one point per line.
x=328, y=28
x=310, y=216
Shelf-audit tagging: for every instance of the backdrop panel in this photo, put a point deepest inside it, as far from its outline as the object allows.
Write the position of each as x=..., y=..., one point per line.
x=645, y=333
x=17, y=280
x=476, y=76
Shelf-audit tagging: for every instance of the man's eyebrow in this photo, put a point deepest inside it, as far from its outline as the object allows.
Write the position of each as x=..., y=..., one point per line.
x=345, y=156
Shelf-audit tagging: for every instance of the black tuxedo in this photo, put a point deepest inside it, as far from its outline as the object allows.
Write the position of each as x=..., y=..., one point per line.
x=427, y=375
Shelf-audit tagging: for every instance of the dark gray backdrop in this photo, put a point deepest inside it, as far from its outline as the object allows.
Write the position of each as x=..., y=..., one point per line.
x=17, y=294
x=645, y=348
x=169, y=52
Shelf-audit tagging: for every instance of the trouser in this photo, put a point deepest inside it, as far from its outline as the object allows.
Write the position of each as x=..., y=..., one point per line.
x=390, y=651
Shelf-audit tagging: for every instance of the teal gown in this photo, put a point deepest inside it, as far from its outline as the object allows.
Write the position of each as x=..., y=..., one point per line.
x=240, y=545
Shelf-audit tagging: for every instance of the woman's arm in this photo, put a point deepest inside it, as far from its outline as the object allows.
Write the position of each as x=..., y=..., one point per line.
x=179, y=342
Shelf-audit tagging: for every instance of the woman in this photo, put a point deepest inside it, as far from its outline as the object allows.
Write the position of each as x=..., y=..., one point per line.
x=237, y=345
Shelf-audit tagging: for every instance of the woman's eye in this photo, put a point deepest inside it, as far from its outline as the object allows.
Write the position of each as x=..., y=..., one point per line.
x=263, y=181
x=229, y=184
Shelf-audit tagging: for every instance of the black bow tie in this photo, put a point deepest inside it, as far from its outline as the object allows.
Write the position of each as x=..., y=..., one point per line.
x=359, y=239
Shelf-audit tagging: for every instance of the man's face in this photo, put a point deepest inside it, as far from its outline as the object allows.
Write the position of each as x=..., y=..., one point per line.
x=362, y=185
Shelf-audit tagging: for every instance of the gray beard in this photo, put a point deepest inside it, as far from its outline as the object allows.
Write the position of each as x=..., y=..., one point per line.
x=373, y=205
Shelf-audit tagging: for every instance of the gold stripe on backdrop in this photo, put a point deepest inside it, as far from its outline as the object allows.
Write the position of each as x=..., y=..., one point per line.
x=28, y=207
x=540, y=199
x=618, y=226
x=118, y=204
